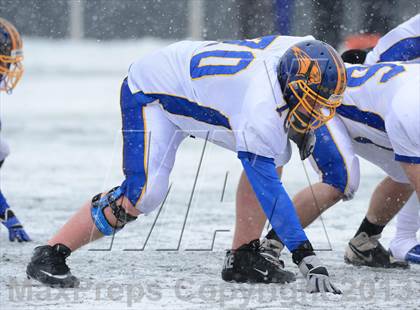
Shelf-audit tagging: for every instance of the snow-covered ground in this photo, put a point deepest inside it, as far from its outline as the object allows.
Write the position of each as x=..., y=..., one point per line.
x=62, y=124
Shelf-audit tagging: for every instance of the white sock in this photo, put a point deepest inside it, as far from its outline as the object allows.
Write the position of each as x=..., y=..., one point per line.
x=408, y=223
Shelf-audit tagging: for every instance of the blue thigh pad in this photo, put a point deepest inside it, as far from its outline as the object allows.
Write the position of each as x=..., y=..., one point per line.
x=329, y=160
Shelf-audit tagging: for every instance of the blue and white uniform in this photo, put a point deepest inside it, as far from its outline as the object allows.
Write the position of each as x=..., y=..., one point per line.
x=400, y=44
x=381, y=111
x=403, y=43
x=225, y=92
x=371, y=122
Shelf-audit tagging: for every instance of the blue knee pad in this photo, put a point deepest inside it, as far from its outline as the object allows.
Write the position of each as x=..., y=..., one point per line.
x=99, y=204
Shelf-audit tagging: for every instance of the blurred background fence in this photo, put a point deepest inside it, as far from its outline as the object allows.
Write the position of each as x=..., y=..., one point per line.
x=328, y=20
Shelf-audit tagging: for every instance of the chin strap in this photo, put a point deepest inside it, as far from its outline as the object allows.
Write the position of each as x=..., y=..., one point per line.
x=99, y=204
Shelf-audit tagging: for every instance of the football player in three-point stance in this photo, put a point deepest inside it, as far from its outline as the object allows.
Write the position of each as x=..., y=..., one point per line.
x=379, y=120
x=11, y=70
x=403, y=44
x=242, y=95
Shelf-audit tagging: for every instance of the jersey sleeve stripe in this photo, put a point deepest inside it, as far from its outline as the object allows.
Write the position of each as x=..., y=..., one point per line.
x=407, y=159
x=404, y=50
x=184, y=107
x=368, y=118
x=365, y=140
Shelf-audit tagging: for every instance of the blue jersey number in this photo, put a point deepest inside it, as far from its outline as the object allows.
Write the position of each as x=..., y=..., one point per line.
x=358, y=75
x=239, y=60
x=220, y=62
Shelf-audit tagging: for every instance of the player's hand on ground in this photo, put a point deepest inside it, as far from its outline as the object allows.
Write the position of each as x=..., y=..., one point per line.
x=15, y=228
x=317, y=277
x=319, y=282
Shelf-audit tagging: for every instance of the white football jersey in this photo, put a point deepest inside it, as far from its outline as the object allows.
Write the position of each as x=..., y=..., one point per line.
x=226, y=92
x=401, y=43
x=386, y=110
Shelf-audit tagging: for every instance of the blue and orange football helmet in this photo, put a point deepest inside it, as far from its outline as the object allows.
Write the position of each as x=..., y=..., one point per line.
x=11, y=56
x=312, y=78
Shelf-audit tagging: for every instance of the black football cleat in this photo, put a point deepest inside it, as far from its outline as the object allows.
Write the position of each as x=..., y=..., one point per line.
x=271, y=249
x=249, y=264
x=48, y=266
x=363, y=250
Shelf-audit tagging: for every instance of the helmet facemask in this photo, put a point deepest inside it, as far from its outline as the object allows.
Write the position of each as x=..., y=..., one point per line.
x=11, y=70
x=311, y=110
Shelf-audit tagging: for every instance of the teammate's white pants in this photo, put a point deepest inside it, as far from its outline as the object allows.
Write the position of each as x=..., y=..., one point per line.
x=335, y=159
x=408, y=224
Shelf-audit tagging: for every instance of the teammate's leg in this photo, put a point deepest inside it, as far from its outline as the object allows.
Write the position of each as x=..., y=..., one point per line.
x=338, y=167
x=399, y=163
x=364, y=248
x=387, y=199
x=413, y=173
x=312, y=201
x=403, y=128
x=335, y=161
x=404, y=245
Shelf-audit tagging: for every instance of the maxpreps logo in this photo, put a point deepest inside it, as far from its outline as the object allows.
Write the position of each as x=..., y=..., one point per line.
x=305, y=63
